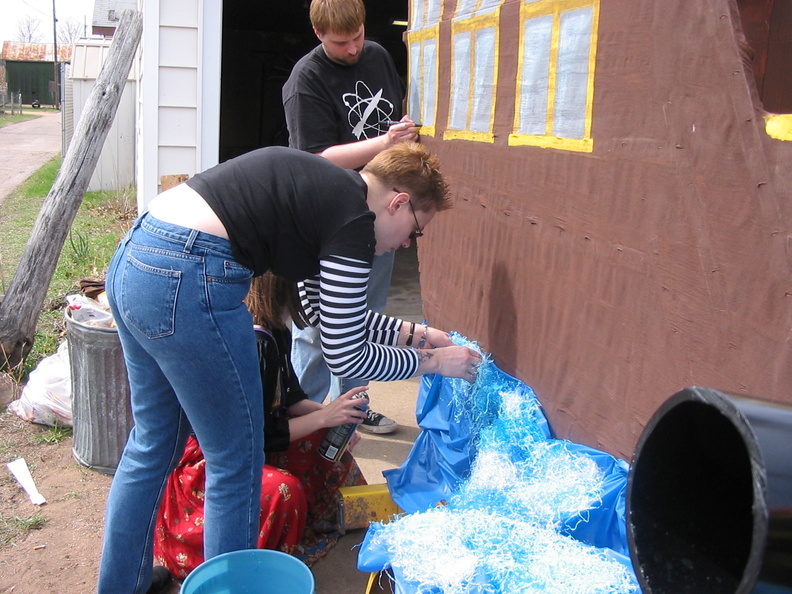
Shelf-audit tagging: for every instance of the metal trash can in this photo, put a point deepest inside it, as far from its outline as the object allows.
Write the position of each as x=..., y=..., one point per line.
x=101, y=412
x=709, y=497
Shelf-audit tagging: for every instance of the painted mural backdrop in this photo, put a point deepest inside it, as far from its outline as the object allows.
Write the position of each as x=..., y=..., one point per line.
x=554, y=86
x=623, y=217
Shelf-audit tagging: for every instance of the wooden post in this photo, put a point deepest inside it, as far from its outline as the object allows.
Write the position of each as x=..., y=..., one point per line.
x=20, y=308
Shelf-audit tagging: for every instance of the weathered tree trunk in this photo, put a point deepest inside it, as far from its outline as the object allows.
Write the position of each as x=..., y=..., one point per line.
x=20, y=308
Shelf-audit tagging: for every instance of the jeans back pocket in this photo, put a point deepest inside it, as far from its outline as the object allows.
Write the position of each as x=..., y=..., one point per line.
x=148, y=297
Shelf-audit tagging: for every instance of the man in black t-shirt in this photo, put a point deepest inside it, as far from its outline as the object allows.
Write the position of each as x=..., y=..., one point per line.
x=343, y=100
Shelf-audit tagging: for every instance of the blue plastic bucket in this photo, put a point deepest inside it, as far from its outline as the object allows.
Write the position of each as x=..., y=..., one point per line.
x=252, y=571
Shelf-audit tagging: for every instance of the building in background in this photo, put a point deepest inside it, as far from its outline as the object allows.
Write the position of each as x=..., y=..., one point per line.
x=107, y=14
x=115, y=169
x=29, y=69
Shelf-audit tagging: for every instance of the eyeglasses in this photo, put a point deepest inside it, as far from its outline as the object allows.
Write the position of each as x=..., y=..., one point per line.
x=418, y=231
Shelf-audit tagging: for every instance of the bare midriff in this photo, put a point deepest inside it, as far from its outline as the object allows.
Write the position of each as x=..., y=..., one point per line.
x=183, y=206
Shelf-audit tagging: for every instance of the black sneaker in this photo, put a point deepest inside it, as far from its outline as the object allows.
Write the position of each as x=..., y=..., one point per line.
x=377, y=423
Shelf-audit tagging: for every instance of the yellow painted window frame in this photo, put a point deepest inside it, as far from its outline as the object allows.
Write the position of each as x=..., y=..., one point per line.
x=779, y=126
x=473, y=24
x=421, y=36
x=555, y=8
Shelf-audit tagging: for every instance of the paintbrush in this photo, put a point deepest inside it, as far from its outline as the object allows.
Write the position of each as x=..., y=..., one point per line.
x=390, y=123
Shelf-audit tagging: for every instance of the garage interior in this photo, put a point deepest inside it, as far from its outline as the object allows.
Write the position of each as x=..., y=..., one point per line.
x=261, y=43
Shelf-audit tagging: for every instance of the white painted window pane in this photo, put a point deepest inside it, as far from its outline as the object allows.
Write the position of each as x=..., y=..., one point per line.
x=465, y=9
x=460, y=82
x=488, y=6
x=484, y=80
x=416, y=92
x=418, y=15
x=569, y=118
x=537, y=35
x=429, y=112
x=433, y=11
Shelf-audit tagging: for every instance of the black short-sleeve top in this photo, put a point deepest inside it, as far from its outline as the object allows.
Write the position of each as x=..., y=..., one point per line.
x=284, y=210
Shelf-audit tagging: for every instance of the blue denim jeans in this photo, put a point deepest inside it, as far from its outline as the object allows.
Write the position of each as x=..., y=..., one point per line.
x=307, y=359
x=191, y=357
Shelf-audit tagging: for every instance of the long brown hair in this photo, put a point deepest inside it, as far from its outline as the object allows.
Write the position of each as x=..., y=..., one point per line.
x=269, y=297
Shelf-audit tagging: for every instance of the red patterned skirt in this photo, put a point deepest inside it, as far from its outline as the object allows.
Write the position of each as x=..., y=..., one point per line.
x=298, y=505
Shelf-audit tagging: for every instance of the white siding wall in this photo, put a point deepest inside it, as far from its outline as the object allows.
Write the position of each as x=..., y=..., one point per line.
x=116, y=166
x=180, y=90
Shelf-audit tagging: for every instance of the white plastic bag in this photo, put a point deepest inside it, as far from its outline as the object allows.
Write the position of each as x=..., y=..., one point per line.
x=90, y=311
x=46, y=398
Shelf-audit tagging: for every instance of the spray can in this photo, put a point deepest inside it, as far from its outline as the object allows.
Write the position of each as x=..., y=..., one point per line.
x=335, y=442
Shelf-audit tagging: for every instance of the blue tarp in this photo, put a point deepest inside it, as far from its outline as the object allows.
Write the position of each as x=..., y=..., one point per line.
x=441, y=456
x=440, y=462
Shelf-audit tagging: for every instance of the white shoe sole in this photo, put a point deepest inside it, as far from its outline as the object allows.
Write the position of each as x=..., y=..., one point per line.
x=378, y=429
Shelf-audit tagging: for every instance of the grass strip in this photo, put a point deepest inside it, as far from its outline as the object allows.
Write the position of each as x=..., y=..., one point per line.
x=101, y=221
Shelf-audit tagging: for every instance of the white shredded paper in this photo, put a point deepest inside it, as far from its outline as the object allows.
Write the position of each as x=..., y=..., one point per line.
x=500, y=532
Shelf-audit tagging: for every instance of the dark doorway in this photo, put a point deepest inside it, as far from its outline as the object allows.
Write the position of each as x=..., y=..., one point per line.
x=767, y=25
x=261, y=42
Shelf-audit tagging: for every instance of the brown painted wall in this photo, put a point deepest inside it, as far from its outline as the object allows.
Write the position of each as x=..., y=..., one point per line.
x=609, y=280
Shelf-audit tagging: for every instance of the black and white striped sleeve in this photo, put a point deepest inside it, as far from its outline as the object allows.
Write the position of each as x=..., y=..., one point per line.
x=356, y=342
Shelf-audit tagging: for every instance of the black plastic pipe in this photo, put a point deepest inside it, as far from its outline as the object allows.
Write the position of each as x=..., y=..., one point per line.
x=709, y=496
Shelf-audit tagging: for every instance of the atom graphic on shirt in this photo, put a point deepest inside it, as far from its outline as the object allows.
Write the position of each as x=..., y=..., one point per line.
x=366, y=111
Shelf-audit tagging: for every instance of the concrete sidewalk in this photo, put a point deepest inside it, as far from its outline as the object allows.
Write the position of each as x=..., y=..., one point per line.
x=25, y=147
x=337, y=573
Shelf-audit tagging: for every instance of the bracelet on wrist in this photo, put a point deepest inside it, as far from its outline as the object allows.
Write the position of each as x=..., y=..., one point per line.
x=410, y=335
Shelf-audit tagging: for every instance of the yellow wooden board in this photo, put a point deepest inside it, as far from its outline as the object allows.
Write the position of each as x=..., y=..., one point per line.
x=359, y=506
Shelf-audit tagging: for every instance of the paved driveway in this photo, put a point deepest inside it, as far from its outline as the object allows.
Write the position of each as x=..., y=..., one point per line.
x=25, y=147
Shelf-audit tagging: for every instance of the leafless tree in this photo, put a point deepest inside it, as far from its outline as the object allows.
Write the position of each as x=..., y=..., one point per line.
x=69, y=31
x=27, y=29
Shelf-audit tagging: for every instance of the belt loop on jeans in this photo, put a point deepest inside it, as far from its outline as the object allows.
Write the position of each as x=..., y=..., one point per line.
x=128, y=235
x=190, y=240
